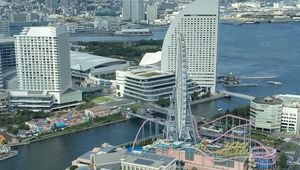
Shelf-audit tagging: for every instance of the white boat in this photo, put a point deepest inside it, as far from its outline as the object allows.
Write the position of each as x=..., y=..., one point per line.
x=275, y=82
x=220, y=109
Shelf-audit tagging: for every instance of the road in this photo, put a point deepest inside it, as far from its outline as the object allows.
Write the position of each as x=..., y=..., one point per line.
x=296, y=160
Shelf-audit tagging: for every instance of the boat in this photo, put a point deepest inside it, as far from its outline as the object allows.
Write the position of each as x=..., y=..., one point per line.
x=220, y=109
x=134, y=32
x=275, y=82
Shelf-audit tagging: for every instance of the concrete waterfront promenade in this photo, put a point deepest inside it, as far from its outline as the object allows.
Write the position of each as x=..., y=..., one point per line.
x=208, y=99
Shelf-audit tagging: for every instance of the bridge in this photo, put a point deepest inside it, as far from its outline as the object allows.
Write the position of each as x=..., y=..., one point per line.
x=156, y=108
x=149, y=117
x=239, y=95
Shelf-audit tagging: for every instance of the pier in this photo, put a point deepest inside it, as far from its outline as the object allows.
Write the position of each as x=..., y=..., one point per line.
x=257, y=77
x=5, y=156
x=241, y=85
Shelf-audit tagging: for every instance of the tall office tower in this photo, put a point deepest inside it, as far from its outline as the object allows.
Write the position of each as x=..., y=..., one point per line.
x=137, y=11
x=126, y=12
x=4, y=29
x=133, y=10
x=53, y=4
x=180, y=123
x=7, y=54
x=65, y=3
x=43, y=59
x=151, y=13
x=198, y=23
x=7, y=58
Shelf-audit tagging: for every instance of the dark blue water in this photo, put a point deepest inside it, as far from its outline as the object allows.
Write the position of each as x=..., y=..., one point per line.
x=254, y=50
x=257, y=50
x=57, y=153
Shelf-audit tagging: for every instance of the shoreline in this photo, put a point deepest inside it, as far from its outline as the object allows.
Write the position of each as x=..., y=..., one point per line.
x=61, y=133
x=9, y=155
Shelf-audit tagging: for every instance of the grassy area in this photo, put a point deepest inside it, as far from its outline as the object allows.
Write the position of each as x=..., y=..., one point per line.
x=266, y=139
x=150, y=74
x=134, y=107
x=101, y=99
x=85, y=106
x=131, y=51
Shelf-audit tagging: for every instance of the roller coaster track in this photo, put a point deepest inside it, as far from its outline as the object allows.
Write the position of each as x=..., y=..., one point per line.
x=268, y=153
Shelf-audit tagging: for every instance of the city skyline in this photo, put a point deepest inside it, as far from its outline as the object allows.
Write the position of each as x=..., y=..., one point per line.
x=179, y=84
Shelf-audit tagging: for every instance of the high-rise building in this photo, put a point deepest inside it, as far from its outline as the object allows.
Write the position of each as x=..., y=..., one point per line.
x=65, y=3
x=43, y=60
x=133, y=10
x=24, y=17
x=137, y=11
x=198, y=23
x=126, y=11
x=4, y=29
x=7, y=58
x=7, y=54
x=290, y=117
x=53, y=4
x=151, y=13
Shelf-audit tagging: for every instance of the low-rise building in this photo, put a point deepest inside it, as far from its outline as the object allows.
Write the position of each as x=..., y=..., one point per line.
x=4, y=102
x=265, y=112
x=98, y=111
x=134, y=32
x=148, y=161
x=290, y=113
x=83, y=64
x=44, y=100
x=147, y=84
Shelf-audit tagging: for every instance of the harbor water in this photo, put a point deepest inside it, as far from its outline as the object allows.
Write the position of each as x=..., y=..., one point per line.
x=251, y=50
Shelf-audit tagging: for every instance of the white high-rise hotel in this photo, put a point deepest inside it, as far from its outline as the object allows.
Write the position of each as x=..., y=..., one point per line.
x=43, y=60
x=198, y=23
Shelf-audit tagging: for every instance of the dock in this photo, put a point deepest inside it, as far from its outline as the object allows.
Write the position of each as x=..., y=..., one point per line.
x=257, y=77
x=11, y=154
x=241, y=85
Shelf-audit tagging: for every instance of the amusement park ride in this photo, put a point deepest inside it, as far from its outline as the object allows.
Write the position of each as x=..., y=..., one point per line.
x=225, y=139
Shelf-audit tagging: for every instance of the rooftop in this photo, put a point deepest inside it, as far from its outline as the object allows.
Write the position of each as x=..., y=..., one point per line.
x=43, y=31
x=151, y=58
x=149, y=159
x=150, y=74
x=84, y=61
x=98, y=109
x=267, y=100
x=7, y=40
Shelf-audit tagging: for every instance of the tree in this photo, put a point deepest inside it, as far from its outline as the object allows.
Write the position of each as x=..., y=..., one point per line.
x=195, y=95
x=194, y=168
x=24, y=127
x=282, y=160
x=163, y=102
x=15, y=131
x=73, y=167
